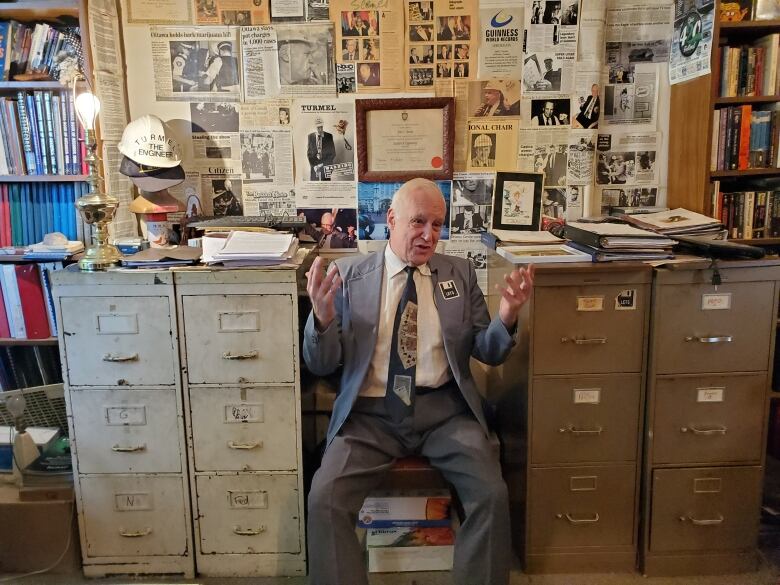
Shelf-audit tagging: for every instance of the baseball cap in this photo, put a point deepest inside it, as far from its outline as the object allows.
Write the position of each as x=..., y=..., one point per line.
x=148, y=141
x=151, y=179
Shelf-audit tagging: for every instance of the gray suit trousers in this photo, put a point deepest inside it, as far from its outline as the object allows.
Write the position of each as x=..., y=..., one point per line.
x=441, y=429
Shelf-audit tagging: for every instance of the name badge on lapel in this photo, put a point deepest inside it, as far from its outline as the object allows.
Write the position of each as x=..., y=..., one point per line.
x=449, y=290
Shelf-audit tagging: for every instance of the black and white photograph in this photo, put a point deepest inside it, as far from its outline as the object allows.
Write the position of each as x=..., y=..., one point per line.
x=483, y=150
x=473, y=189
x=257, y=156
x=552, y=160
x=332, y=228
x=345, y=78
x=478, y=259
x=558, y=12
x=306, y=55
x=629, y=197
x=203, y=66
x=421, y=76
x=214, y=117
x=226, y=197
x=461, y=52
x=615, y=168
x=460, y=70
x=536, y=12
x=587, y=109
x=323, y=139
x=284, y=116
x=420, y=54
x=550, y=72
x=554, y=202
x=622, y=57
x=468, y=218
x=206, y=10
x=551, y=112
x=317, y=10
x=444, y=52
x=420, y=11
x=219, y=152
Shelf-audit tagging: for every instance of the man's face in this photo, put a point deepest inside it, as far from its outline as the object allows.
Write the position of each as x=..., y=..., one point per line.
x=351, y=46
x=326, y=224
x=548, y=64
x=284, y=117
x=548, y=109
x=319, y=128
x=471, y=184
x=483, y=152
x=468, y=213
x=365, y=72
x=416, y=225
x=594, y=90
x=491, y=96
x=301, y=58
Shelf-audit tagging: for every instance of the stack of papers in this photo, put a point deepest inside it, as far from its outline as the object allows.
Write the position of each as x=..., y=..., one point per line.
x=617, y=241
x=676, y=222
x=240, y=248
x=53, y=249
x=162, y=257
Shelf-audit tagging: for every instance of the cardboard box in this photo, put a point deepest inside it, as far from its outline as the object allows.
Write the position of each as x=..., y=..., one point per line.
x=421, y=509
x=409, y=549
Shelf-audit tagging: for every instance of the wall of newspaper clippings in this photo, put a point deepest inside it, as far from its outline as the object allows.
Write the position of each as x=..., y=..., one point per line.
x=262, y=97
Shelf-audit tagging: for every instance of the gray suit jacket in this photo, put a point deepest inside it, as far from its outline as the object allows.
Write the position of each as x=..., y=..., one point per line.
x=351, y=338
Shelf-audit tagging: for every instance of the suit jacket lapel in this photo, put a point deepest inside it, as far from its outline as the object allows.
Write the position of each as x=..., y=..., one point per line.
x=365, y=293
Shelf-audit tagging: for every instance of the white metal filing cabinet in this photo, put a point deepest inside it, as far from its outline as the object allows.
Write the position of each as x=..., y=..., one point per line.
x=119, y=347
x=239, y=352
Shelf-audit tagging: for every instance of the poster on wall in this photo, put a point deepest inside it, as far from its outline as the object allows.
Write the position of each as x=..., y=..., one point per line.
x=692, y=40
x=501, y=42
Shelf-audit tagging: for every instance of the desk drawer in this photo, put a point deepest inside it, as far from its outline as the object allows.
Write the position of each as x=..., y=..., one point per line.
x=126, y=431
x=709, y=419
x=127, y=516
x=589, y=418
x=248, y=513
x=700, y=509
x=244, y=429
x=588, y=329
x=582, y=506
x=239, y=339
x=118, y=341
x=699, y=329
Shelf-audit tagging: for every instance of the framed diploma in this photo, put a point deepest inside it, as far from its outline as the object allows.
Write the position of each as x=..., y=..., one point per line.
x=400, y=139
x=517, y=201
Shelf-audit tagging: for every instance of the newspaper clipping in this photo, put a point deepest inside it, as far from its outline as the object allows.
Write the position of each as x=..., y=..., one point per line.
x=232, y=12
x=306, y=60
x=592, y=19
x=582, y=155
x=269, y=112
x=317, y=10
x=634, y=101
x=260, y=63
x=493, y=99
x=159, y=12
x=195, y=64
x=586, y=100
x=188, y=192
x=269, y=200
x=551, y=47
x=292, y=9
x=492, y=145
x=266, y=155
x=501, y=46
x=472, y=198
x=626, y=170
x=324, y=139
x=475, y=253
x=371, y=42
x=692, y=40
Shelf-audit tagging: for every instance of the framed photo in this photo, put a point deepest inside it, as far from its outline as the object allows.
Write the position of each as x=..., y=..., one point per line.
x=517, y=201
x=400, y=139
x=543, y=254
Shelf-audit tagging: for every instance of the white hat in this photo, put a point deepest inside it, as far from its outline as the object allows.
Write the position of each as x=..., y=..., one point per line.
x=148, y=141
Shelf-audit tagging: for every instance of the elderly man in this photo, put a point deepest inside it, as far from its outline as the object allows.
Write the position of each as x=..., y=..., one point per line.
x=374, y=315
x=480, y=152
x=298, y=59
x=497, y=99
x=321, y=152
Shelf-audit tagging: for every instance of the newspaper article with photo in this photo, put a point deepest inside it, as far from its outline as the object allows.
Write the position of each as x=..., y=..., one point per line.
x=266, y=155
x=472, y=196
x=232, y=12
x=306, y=60
x=346, y=81
x=550, y=111
x=332, y=228
x=626, y=170
x=269, y=201
x=632, y=103
x=551, y=46
x=492, y=145
x=324, y=140
x=259, y=63
x=497, y=98
x=188, y=192
x=223, y=191
x=159, y=12
x=501, y=42
x=287, y=9
x=103, y=33
x=474, y=252
x=586, y=99
x=317, y=10
x=692, y=40
x=582, y=155
x=371, y=41
x=195, y=64
x=269, y=112
x=593, y=18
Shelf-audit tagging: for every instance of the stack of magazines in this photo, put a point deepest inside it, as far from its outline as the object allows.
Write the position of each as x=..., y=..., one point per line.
x=239, y=248
x=678, y=222
x=606, y=242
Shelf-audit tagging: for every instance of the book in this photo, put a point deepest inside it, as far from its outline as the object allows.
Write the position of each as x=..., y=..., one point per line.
x=766, y=9
x=13, y=302
x=5, y=332
x=36, y=322
x=615, y=235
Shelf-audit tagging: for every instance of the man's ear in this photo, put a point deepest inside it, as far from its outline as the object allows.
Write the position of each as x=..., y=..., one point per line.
x=284, y=53
x=391, y=218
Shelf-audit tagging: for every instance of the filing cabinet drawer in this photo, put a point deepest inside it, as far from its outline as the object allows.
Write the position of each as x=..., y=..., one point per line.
x=588, y=329
x=248, y=513
x=708, y=419
x=707, y=508
x=588, y=418
x=127, y=516
x=118, y=341
x=704, y=330
x=239, y=339
x=244, y=429
x=123, y=431
x=582, y=506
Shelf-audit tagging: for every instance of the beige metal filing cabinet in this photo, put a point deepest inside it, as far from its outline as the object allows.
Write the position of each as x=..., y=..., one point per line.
x=708, y=392
x=239, y=353
x=119, y=346
x=571, y=414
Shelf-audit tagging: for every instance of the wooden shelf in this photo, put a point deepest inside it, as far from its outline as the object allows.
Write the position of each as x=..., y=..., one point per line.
x=756, y=99
x=28, y=342
x=42, y=178
x=750, y=26
x=757, y=241
x=774, y=172
x=24, y=85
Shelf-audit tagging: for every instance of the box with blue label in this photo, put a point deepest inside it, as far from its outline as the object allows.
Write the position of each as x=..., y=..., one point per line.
x=428, y=508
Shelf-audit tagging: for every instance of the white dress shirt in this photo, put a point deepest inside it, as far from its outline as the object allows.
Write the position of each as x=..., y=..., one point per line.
x=433, y=369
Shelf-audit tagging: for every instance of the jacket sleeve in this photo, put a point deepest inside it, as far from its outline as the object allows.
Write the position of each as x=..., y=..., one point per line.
x=492, y=341
x=322, y=350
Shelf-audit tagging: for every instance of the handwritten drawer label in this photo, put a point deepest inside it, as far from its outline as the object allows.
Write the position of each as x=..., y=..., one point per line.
x=132, y=502
x=709, y=394
x=587, y=395
x=125, y=415
x=243, y=413
x=590, y=303
x=117, y=324
x=255, y=499
x=716, y=302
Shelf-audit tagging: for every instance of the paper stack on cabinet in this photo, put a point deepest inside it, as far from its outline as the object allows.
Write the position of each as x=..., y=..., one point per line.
x=606, y=241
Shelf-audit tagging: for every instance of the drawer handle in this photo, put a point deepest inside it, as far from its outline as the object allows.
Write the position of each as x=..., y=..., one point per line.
x=703, y=521
x=130, y=449
x=240, y=356
x=704, y=432
x=144, y=532
x=578, y=432
x=248, y=531
x=116, y=358
x=587, y=520
x=234, y=445
x=713, y=339
x=585, y=340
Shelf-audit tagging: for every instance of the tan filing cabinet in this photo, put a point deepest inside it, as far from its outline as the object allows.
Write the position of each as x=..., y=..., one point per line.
x=708, y=391
x=571, y=416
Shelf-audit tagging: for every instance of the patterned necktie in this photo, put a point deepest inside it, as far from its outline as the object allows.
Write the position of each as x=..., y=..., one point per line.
x=399, y=397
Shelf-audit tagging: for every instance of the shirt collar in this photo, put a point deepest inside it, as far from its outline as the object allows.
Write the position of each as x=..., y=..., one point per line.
x=394, y=264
